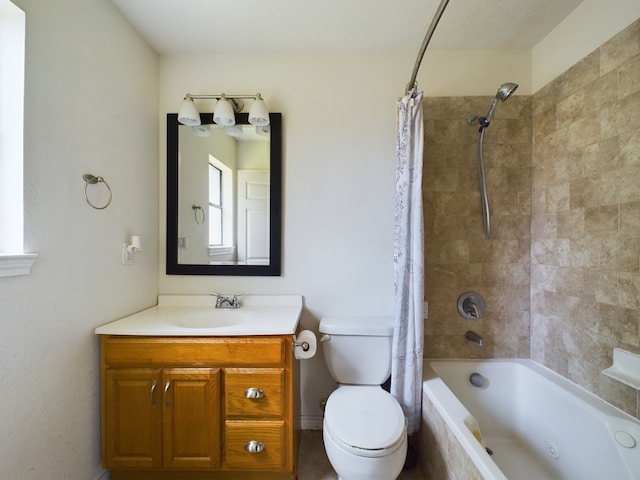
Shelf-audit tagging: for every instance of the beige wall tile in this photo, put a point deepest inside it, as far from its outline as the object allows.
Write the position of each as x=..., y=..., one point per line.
x=629, y=78
x=601, y=221
x=620, y=48
x=561, y=274
x=629, y=147
x=629, y=220
x=590, y=303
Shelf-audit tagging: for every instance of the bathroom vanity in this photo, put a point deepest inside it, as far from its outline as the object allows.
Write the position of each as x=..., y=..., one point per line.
x=191, y=392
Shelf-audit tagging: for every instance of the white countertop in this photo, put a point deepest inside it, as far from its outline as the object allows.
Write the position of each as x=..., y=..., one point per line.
x=195, y=315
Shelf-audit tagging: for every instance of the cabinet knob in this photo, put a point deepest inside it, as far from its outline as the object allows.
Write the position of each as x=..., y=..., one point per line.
x=253, y=392
x=254, y=446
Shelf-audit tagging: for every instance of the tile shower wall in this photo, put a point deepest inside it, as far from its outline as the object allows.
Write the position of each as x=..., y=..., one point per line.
x=585, y=245
x=457, y=256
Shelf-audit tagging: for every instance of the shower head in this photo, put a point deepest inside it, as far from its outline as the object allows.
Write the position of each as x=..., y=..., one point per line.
x=505, y=91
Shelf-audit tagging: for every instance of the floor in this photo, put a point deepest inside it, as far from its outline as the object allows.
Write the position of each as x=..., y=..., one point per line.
x=314, y=465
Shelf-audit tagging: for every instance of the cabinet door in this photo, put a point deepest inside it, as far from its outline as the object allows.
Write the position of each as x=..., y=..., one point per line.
x=133, y=418
x=191, y=417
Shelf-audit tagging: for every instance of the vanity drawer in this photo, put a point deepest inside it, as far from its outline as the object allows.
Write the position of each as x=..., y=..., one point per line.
x=193, y=351
x=266, y=439
x=254, y=392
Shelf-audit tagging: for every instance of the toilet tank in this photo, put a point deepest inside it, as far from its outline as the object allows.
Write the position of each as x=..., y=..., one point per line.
x=357, y=350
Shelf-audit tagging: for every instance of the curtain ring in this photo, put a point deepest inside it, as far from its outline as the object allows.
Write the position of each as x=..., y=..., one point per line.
x=92, y=180
x=198, y=209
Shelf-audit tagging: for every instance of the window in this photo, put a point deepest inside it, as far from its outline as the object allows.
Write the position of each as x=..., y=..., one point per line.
x=215, y=205
x=13, y=261
x=221, y=207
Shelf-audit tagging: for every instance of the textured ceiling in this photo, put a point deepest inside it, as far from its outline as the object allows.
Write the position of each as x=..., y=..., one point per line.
x=288, y=26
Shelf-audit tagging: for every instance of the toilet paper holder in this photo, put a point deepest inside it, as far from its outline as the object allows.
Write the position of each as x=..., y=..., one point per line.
x=304, y=345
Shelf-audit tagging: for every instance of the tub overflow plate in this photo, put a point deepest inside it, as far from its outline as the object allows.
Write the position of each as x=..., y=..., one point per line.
x=624, y=439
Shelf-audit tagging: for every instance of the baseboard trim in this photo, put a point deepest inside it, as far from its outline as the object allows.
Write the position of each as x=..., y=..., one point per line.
x=311, y=422
x=105, y=475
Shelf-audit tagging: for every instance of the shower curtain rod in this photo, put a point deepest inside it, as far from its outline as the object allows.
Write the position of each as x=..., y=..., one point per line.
x=427, y=38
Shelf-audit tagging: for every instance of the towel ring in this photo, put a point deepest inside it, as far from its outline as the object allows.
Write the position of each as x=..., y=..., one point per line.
x=92, y=180
x=196, y=210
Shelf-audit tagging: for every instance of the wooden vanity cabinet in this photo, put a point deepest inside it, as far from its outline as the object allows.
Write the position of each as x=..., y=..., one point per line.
x=199, y=408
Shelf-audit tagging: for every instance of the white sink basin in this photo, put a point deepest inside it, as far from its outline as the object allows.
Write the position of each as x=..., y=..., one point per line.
x=210, y=318
x=196, y=315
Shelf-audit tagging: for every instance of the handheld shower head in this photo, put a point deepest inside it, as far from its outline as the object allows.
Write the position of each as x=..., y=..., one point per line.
x=505, y=91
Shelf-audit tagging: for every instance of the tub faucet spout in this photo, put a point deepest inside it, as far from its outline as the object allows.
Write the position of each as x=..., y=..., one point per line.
x=475, y=338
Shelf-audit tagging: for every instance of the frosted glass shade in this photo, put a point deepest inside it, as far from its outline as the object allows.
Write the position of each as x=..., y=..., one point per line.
x=233, y=130
x=264, y=131
x=188, y=113
x=223, y=113
x=259, y=114
x=201, y=130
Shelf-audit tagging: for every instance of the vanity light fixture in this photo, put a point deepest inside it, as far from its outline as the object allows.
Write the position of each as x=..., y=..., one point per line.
x=224, y=113
x=258, y=113
x=226, y=108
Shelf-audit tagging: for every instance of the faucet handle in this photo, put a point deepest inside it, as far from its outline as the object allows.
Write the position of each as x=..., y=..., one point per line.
x=471, y=305
x=236, y=296
x=219, y=298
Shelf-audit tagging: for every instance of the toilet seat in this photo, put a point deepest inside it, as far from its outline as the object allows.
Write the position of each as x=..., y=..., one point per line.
x=365, y=420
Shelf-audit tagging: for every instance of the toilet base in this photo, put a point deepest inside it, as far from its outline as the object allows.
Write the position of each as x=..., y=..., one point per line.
x=352, y=467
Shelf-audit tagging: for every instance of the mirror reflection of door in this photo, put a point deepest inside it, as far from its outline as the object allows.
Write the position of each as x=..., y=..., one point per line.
x=253, y=217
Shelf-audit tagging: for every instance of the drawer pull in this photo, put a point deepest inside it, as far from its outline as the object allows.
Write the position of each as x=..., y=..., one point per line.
x=253, y=393
x=254, y=446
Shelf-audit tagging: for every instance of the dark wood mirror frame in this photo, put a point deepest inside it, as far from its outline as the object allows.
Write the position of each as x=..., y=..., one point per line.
x=275, y=205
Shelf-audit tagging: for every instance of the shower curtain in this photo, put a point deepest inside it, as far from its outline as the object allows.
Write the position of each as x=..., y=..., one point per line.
x=407, y=350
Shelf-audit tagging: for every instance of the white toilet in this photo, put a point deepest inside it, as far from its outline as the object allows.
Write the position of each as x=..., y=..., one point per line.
x=364, y=429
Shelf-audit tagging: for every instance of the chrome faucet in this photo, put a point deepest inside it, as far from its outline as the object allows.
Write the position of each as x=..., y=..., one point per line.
x=475, y=338
x=227, y=302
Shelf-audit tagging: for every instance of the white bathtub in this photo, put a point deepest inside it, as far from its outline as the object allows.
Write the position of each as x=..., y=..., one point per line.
x=538, y=424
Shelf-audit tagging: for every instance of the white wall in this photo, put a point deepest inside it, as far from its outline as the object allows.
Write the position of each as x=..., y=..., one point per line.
x=91, y=107
x=589, y=26
x=446, y=73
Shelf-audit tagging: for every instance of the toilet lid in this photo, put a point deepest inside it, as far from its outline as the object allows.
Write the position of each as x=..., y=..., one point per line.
x=365, y=417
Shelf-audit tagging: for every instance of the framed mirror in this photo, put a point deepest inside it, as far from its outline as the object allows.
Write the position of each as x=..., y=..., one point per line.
x=224, y=194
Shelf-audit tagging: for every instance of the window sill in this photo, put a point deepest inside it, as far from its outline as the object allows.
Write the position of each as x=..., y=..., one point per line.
x=16, y=265
x=221, y=250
